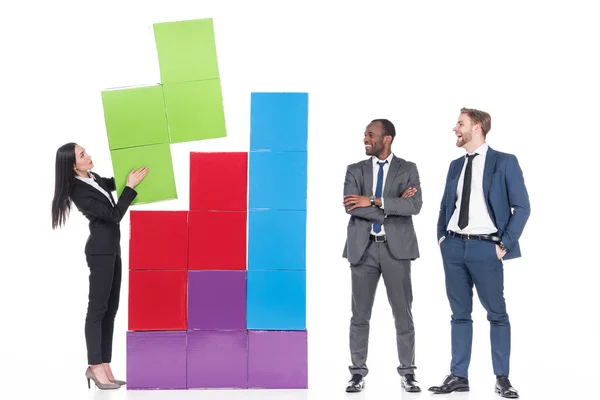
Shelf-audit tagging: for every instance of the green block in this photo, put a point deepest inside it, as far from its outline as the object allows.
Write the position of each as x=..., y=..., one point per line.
x=135, y=117
x=186, y=50
x=159, y=184
x=195, y=110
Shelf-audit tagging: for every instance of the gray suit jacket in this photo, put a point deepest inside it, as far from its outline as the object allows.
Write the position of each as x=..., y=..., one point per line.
x=397, y=215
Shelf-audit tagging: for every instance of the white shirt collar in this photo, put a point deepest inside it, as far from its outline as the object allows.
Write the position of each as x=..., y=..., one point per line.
x=388, y=159
x=481, y=150
x=89, y=179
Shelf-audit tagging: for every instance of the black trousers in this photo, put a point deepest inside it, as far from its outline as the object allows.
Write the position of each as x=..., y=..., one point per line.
x=103, y=303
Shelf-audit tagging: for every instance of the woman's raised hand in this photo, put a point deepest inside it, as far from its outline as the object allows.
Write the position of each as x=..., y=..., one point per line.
x=135, y=177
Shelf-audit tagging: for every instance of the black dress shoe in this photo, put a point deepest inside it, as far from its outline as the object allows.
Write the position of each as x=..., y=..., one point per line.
x=451, y=383
x=356, y=384
x=409, y=383
x=504, y=388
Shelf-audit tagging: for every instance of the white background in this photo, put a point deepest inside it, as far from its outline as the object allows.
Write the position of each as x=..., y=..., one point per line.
x=533, y=66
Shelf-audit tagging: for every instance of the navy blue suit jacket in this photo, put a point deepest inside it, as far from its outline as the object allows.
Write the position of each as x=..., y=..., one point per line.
x=505, y=193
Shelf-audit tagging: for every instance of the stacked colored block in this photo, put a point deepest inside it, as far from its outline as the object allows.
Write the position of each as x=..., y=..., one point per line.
x=157, y=301
x=219, y=181
x=141, y=122
x=135, y=116
x=276, y=289
x=218, y=211
x=217, y=359
x=277, y=360
x=276, y=299
x=217, y=300
x=156, y=360
x=217, y=293
x=158, y=240
x=138, y=135
x=217, y=336
x=187, y=57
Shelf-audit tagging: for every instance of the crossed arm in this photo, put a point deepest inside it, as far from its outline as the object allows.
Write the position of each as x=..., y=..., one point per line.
x=355, y=204
x=409, y=203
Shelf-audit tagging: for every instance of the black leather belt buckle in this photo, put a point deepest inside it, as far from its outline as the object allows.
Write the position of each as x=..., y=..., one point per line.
x=378, y=239
x=492, y=238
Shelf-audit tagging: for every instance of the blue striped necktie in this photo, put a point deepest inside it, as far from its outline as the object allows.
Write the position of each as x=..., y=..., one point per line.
x=378, y=189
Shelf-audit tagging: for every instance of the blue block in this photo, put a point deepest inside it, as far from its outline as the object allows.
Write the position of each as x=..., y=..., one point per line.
x=277, y=180
x=276, y=300
x=276, y=240
x=279, y=121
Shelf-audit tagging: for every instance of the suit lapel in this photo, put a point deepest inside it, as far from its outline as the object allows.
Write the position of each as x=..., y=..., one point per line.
x=393, y=169
x=100, y=183
x=453, y=184
x=488, y=170
x=367, y=170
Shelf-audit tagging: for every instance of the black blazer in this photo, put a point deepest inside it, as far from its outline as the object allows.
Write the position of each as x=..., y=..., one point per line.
x=105, y=235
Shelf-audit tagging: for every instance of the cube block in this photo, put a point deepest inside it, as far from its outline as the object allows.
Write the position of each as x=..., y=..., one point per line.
x=277, y=360
x=217, y=359
x=276, y=239
x=135, y=117
x=217, y=300
x=217, y=240
x=219, y=181
x=279, y=121
x=157, y=300
x=277, y=180
x=158, y=240
x=156, y=360
x=159, y=184
x=276, y=300
x=195, y=110
x=186, y=50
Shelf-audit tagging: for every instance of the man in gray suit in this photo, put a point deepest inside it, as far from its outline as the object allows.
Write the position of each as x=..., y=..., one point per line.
x=381, y=194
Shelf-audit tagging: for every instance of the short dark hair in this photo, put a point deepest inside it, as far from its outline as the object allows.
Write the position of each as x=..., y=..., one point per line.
x=479, y=117
x=388, y=127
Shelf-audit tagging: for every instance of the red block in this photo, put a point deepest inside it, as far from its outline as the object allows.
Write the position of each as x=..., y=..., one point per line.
x=218, y=181
x=157, y=300
x=158, y=240
x=217, y=240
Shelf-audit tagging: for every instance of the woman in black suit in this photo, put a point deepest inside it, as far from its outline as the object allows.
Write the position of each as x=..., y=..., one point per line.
x=92, y=195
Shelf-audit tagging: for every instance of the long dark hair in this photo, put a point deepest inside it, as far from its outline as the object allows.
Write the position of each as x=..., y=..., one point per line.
x=63, y=184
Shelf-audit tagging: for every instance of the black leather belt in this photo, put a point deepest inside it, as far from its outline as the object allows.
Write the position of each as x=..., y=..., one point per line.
x=493, y=237
x=379, y=238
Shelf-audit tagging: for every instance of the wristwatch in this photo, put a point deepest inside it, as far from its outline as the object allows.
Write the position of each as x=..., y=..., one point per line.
x=502, y=247
x=372, y=200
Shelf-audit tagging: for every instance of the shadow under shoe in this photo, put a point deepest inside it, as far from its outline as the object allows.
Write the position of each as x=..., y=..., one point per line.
x=505, y=389
x=89, y=374
x=451, y=384
x=410, y=384
x=356, y=384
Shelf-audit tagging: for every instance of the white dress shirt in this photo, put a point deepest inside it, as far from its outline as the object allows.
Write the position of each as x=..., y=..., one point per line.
x=386, y=168
x=92, y=182
x=480, y=222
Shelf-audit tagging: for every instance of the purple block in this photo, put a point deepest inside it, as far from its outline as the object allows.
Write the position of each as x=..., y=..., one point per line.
x=217, y=360
x=277, y=360
x=217, y=300
x=156, y=360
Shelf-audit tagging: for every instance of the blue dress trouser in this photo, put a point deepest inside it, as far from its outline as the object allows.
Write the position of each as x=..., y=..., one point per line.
x=468, y=263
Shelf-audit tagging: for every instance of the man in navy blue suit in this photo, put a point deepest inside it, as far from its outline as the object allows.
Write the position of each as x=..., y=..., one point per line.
x=482, y=215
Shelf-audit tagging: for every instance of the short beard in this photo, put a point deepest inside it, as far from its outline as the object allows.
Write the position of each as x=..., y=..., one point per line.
x=466, y=138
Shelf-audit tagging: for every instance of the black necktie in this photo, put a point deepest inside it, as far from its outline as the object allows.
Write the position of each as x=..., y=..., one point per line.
x=463, y=217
